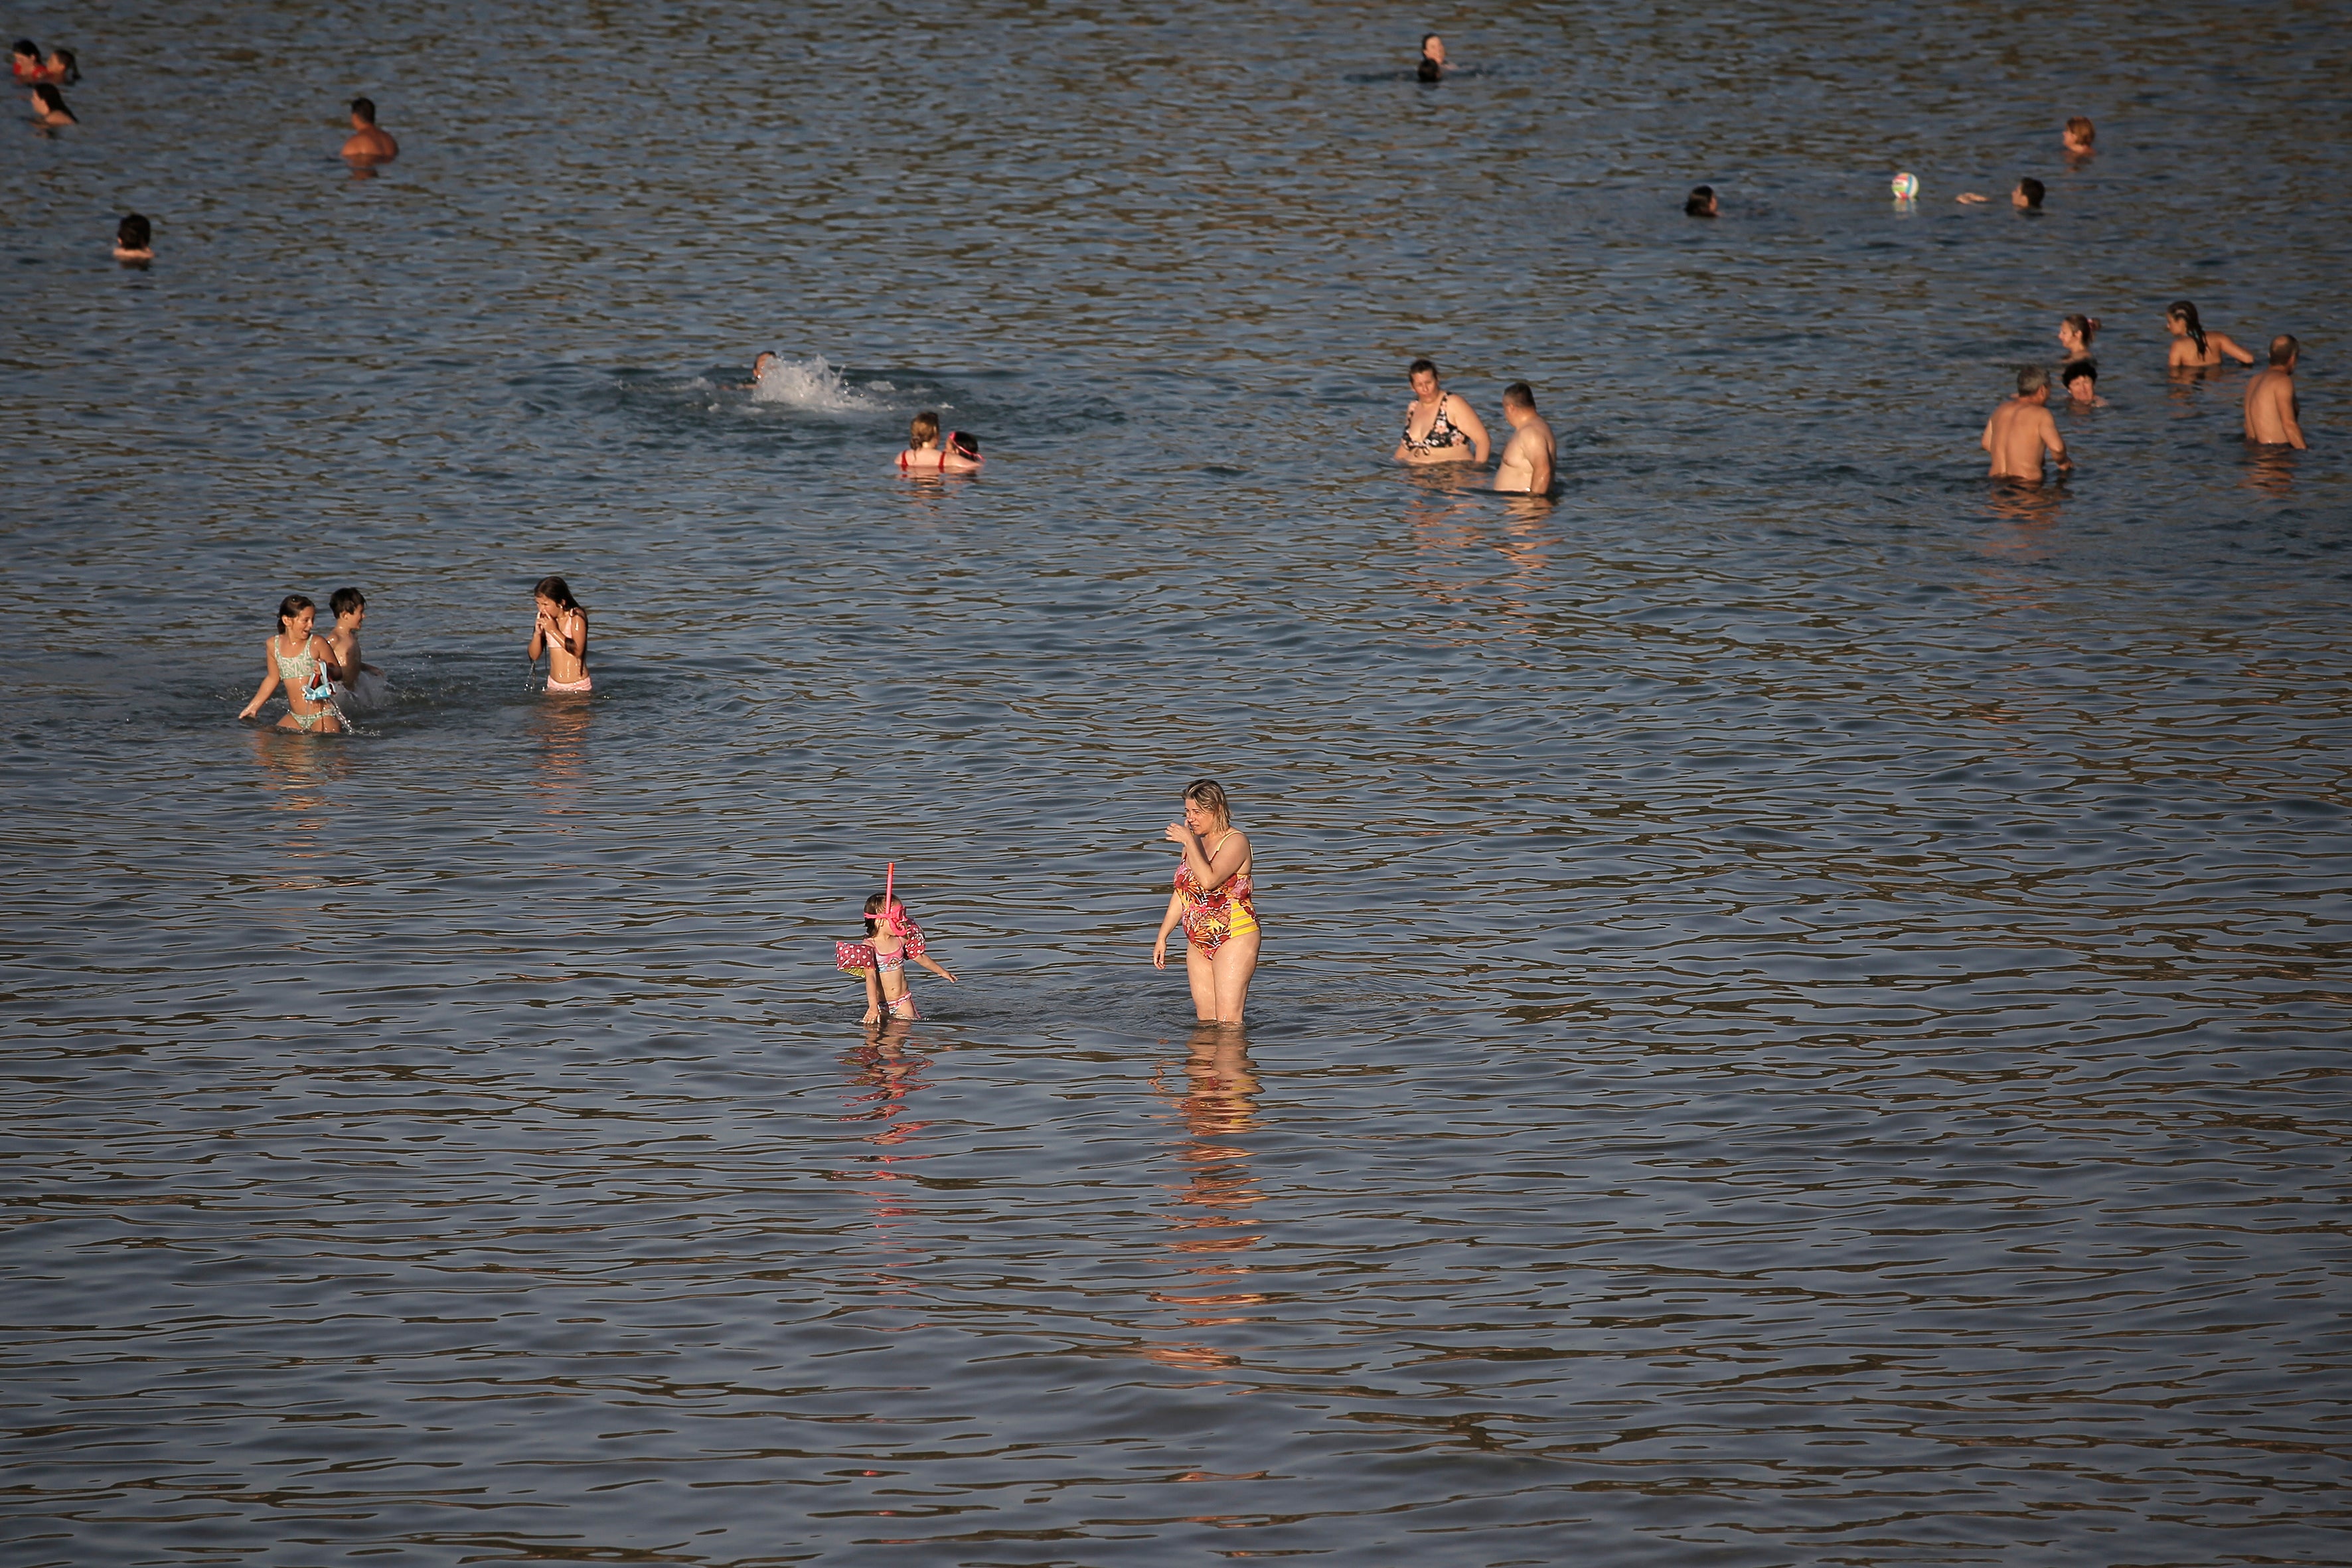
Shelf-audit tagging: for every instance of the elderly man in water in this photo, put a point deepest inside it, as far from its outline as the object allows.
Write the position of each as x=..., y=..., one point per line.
x=2270, y=407
x=2021, y=430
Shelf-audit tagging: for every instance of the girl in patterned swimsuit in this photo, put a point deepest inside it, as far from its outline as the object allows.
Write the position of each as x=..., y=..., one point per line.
x=892, y=938
x=1213, y=901
x=298, y=660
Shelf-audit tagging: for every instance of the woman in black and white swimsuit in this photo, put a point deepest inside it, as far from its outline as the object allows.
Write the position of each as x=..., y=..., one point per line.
x=1439, y=428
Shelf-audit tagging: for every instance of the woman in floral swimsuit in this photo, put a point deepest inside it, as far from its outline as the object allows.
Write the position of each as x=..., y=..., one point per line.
x=1213, y=901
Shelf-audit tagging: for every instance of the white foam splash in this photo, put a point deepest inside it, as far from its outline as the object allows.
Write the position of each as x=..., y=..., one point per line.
x=813, y=384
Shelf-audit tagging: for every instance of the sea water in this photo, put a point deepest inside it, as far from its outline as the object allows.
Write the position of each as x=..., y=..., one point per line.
x=1802, y=1004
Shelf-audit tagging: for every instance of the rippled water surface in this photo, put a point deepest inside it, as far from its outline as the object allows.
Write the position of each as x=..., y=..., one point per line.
x=1803, y=1000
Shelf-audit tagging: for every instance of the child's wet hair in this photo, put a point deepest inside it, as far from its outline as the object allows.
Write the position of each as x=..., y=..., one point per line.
x=291, y=605
x=343, y=601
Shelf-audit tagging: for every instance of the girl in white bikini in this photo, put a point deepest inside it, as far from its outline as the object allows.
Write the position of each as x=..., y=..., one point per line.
x=561, y=633
x=301, y=661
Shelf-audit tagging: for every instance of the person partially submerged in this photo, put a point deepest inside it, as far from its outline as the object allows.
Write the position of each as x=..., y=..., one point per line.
x=369, y=142
x=1526, y=462
x=134, y=239
x=2272, y=413
x=2021, y=430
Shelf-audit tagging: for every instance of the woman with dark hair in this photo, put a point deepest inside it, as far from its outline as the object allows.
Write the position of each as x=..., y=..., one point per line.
x=49, y=107
x=561, y=633
x=134, y=239
x=1439, y=428
x=2074, y=335
x=1432, y=58
x=25, y=60
x=2194, y=347
x=62, y=69
x=300, y=660
x=1213, y=901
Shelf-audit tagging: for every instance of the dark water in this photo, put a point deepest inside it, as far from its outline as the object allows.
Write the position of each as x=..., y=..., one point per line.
x=1803, y=1005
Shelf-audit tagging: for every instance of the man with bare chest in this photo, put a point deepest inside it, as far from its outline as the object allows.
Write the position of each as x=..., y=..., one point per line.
x=2021, y=430
x=2273, y=416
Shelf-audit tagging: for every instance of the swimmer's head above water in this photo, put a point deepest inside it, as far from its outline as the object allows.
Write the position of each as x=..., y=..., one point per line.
x=295, y=614
x=2082, y=379
x=1432, y=49
x=2079, y=134
x=759, y=366
x=965, y=444
x=1700, y=203
x=348, y=604
x=2032, y=379
x=134, y=239
x=2027, y=195
x=923, y=430
x=556, y=591
x=2074, y=335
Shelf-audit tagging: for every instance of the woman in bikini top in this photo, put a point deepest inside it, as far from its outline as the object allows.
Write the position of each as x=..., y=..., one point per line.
x=1452, y=434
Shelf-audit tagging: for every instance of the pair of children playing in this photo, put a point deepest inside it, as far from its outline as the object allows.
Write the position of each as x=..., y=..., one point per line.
x=924, y=455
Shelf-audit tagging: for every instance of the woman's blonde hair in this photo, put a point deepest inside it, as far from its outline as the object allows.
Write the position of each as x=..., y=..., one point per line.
x=924, y=426
x=1211, y=794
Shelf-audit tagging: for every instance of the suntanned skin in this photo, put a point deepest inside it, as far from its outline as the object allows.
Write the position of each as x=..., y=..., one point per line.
x=2016, y=435
x=2271, y=409
x=370, y=141
x=1428, y=401
x=1527, y=455
x=2184, y=355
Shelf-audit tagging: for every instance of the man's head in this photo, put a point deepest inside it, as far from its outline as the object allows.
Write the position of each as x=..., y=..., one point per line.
x=1518, y=401
x=2032, y=379
x=2027, y=195
x=364, y=111
x=2082, y=379
x=2283, y=352
x=1700, y=203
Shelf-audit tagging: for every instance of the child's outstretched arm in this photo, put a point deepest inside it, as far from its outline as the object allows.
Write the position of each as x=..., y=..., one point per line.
x=928, y=962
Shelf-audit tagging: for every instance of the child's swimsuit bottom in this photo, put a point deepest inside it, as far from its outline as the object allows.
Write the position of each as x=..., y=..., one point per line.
x=584, y=684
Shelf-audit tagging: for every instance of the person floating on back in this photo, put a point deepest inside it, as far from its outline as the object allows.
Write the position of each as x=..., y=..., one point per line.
x=2193, y=347
x=2271, y=408
x=1527, y=455
x=2021, y=430
x=1700, y=203
x=369, y=142
x=134, y=241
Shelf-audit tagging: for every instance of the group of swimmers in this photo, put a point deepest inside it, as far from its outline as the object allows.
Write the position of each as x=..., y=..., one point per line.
x=325, y=680
x=2021, y=432
x=134, y=238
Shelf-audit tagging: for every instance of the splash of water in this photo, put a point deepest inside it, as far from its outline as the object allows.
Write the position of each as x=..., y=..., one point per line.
x=815, y=384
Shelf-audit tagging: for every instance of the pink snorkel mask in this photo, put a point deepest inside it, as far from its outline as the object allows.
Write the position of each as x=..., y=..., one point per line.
x=893, y=916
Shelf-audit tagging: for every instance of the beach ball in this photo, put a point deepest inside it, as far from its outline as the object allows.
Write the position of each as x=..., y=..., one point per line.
x=1905, y=186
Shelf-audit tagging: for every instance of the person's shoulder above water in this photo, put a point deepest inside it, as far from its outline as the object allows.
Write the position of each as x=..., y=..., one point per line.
x=369, y=140
x=2274, y=418
x=49, y=107
x=134, y=239
x=1529, y=455
x=2020, y=431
